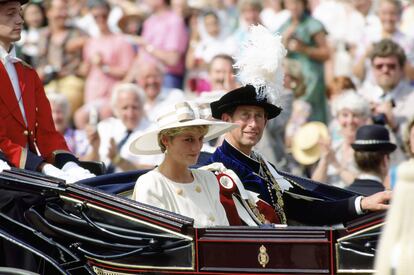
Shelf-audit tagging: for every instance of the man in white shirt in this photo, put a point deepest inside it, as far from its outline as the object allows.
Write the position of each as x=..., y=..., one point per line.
x=110, y=139
x=28, y=137
x=392, y=95
x=150, y=78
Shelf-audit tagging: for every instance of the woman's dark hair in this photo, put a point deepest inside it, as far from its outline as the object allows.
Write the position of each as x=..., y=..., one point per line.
x=210, y=13
x=42, y=11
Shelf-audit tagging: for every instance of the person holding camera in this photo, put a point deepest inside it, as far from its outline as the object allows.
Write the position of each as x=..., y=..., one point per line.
x=392, y=98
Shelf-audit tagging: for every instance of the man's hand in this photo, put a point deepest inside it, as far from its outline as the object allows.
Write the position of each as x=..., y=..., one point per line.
x=112, y=150
x=377, y=202
x=93, y=137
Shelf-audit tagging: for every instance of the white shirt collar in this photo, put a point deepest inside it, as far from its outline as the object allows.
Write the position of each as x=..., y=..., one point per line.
x=364, y=176
x=12, y=55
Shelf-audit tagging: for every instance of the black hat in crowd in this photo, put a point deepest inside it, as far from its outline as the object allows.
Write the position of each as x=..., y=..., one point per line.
x=373, y=138
x=245, y=95
x=22, y=2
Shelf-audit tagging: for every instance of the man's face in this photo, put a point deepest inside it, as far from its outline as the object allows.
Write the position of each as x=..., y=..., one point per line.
x=150, y=79
x=60, y=117
x=389, y=16
x=11, y=22
x=220, y=70
x=129, y=109
x=252, y=121
x=387, y=72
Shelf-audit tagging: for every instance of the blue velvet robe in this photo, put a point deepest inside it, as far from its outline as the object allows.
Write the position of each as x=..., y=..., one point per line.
x=318, y=212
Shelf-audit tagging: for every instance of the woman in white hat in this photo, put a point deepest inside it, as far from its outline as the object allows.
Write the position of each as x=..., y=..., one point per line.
x=172, y=185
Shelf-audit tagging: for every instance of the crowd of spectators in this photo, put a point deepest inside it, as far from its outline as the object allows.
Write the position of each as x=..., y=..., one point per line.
x=109, y=68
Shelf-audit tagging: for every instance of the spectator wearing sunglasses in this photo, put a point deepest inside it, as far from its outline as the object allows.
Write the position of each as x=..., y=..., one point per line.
x=392, y=98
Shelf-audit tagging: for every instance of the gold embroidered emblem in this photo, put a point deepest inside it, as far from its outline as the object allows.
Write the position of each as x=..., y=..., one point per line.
x=263, y=257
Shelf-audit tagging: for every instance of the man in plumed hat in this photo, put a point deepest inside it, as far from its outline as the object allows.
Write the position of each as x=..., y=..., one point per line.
x=28, y=137
x=250, y=109
x=251, y=106
x=372, y=149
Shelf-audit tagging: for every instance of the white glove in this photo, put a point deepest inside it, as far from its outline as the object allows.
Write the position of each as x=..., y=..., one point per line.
x=50, y=170
x=75, y=172
x=4, y=166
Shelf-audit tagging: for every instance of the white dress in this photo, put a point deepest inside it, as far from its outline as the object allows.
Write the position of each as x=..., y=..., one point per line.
x=199, y=199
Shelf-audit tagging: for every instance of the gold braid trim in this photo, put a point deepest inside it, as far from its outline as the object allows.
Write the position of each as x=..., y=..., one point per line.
x=279, y=203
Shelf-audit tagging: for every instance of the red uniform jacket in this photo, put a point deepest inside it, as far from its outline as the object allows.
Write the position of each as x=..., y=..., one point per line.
x=27, y=146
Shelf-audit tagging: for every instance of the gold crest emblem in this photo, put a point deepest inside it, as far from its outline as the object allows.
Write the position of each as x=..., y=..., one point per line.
x=263, y=257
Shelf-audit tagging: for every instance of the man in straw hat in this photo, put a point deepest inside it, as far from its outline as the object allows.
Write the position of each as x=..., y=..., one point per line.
x=372, y=149
x=251, y=107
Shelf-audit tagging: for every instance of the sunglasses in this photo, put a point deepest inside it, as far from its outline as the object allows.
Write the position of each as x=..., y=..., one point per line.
x=380, y=66
x=96, y=16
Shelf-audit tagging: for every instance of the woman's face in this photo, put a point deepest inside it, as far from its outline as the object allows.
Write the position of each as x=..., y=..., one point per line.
x=295, y=7
x=185, y=147
x=212, y=25
x=100, y=14
x=349, y=122
x=33, y=16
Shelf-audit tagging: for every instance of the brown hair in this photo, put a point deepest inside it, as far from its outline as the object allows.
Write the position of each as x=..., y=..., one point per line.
x=395, y=3
x=339, y=84
x=173, y=132
x=224, y=57
x=388, y=48
x=369, y=161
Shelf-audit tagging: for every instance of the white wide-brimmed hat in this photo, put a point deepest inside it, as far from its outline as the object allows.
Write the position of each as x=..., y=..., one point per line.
x=182, y=114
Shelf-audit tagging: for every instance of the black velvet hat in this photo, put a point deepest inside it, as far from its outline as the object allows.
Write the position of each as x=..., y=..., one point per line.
x=22, y=2
x=373, y=138
x=245, y=95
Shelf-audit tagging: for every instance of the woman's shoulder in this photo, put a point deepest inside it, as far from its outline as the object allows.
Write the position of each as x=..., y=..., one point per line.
x=203, y=173
x=151, y=178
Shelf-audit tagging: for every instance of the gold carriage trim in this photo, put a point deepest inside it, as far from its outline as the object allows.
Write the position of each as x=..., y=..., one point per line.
x=263, y=257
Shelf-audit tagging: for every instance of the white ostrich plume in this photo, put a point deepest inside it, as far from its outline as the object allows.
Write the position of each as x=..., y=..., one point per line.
x=260, y=62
